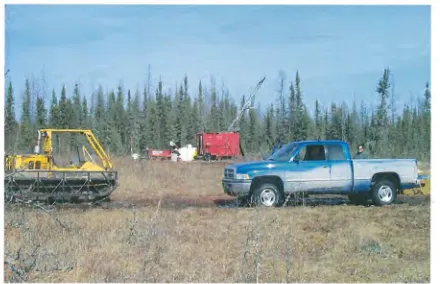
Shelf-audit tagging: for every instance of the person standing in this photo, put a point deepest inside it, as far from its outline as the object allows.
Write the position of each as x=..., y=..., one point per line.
x=175, y=154
x=360, y=153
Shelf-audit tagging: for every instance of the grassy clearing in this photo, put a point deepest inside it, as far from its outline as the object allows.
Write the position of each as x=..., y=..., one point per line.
x=154, y=243
x=154, y=179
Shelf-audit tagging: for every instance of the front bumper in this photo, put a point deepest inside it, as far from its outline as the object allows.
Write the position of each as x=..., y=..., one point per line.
x=235, y=187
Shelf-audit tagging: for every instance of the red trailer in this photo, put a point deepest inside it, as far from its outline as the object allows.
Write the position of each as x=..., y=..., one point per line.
x=154, y=154
x=218, y=145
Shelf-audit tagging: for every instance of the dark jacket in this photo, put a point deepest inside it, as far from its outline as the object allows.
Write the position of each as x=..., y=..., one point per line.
x=360, y=155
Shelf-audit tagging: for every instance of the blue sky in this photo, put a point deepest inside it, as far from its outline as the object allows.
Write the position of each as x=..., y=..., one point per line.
x=339, y=51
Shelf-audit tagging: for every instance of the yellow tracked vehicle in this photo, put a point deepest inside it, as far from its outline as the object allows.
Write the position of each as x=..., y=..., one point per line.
x=40, y=177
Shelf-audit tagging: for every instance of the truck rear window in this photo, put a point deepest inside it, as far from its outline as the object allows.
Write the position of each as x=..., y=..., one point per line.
x=335, y=152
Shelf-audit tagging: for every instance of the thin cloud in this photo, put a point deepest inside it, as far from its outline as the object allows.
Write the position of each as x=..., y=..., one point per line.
x=336, y=49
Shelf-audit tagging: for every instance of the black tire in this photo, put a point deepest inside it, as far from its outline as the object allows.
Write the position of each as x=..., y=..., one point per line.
x=359, y=199
x=267, y=195
x=384, y=193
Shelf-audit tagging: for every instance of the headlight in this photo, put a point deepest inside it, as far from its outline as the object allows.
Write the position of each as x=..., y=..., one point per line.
x=241, y=176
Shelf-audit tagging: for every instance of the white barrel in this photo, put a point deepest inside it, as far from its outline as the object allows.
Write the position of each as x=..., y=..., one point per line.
x=173, y=157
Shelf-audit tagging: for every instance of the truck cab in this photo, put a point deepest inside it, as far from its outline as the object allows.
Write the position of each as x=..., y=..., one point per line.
x=319, y=167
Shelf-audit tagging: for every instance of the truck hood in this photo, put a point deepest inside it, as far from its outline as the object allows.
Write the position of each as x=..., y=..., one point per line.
x=255, y=166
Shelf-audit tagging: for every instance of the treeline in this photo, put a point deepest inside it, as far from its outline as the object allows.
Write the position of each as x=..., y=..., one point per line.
x=154, y=117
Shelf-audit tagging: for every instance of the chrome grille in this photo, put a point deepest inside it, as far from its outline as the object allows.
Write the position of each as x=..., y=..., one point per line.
x=229, y=173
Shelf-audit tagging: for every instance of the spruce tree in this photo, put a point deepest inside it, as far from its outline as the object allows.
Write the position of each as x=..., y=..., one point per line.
x=26, y=136
x=11, y=124
x=381, y=131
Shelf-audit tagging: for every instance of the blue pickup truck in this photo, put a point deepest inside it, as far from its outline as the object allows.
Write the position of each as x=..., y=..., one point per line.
x=319, y=167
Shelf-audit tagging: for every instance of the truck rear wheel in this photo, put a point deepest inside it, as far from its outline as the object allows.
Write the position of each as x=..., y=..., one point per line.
x=267, y=195
x=384, y=193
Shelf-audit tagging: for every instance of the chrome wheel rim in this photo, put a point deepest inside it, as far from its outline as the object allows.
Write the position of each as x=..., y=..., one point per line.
x=267, y=197
x=385, y=193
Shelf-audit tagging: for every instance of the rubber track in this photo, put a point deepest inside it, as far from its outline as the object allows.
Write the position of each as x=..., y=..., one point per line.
x=68, y=187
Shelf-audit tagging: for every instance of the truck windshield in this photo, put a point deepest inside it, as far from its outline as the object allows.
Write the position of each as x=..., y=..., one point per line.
x=284, y=154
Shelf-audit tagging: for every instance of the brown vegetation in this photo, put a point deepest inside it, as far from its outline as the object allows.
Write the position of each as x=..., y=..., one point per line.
x=159, y=241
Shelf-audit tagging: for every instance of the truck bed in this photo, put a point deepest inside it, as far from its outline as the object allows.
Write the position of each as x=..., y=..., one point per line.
x=364, y=170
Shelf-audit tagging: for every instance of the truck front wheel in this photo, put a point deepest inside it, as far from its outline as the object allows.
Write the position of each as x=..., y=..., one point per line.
x=384, y=193
x=267, y=195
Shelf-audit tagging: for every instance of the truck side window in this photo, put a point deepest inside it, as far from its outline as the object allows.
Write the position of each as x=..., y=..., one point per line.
x=314, y=153
x=335, y=153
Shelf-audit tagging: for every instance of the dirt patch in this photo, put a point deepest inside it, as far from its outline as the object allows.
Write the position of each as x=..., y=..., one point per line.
x=172, y=202
x=169, y=202
x=176, y=202
x=413, y=199
x=179, y=202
